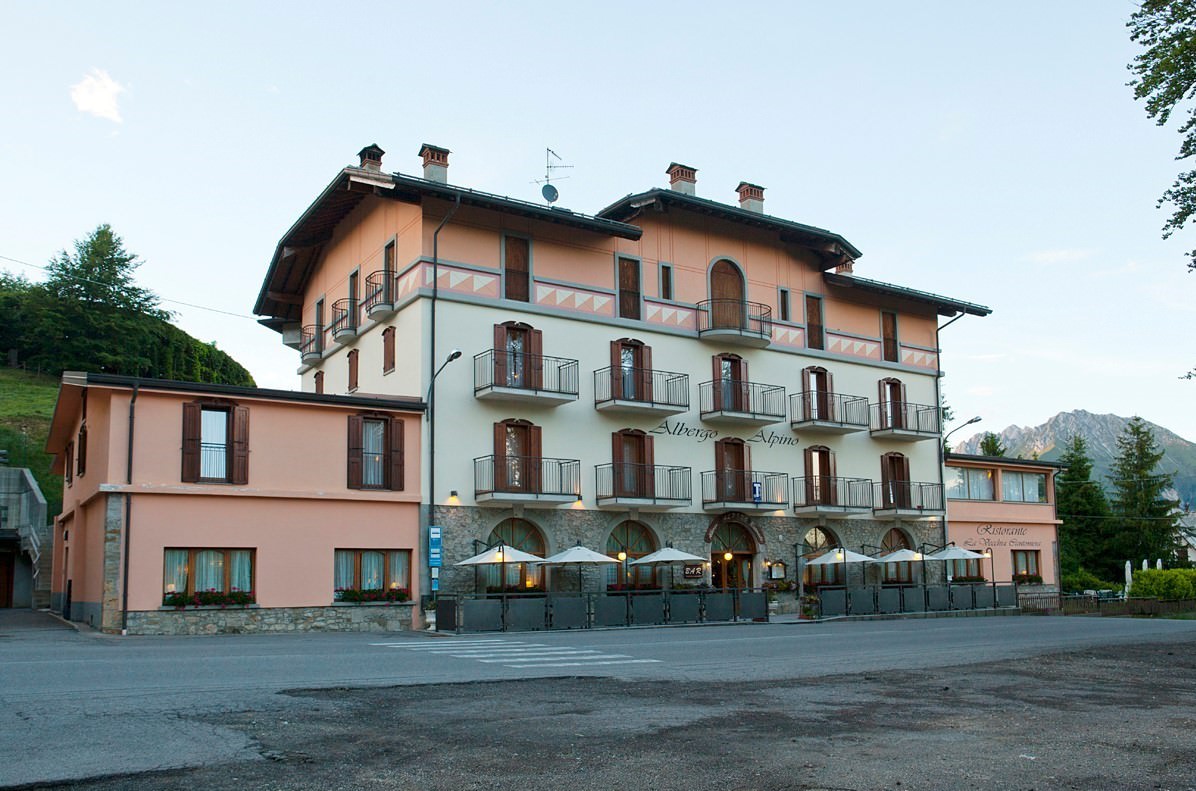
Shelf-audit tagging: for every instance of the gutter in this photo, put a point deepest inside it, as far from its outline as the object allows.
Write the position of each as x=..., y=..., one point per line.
x=124, y=588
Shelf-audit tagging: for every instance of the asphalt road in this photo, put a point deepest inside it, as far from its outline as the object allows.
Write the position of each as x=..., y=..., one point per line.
x=82, y=705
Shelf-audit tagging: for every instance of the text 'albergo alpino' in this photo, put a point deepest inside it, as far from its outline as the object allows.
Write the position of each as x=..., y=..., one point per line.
x=679, y=429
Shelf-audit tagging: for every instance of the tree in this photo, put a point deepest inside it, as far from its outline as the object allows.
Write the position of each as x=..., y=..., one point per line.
x=1147, y=523
x=990, y=445
x=1082, y=507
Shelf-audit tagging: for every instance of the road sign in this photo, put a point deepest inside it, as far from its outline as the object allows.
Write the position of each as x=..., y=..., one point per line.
x=757, y=491
x=435, y=553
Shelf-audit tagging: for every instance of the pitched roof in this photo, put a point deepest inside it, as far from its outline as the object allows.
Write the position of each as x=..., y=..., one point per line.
x=945, y=306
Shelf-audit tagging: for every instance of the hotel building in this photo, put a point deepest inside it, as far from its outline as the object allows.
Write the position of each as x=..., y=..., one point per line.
x=671, y=370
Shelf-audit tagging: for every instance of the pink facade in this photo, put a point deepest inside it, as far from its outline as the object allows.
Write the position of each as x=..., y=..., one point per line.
x=1006, y=509
x=260, y=493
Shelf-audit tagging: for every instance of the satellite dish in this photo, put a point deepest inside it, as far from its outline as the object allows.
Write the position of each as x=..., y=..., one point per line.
x=550, y=193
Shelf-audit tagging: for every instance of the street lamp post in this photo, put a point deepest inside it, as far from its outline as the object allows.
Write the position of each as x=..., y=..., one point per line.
x=430, y=398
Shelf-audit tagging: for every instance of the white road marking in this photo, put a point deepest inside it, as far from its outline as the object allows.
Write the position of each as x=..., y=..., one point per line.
x=518, y=654
x=585, y=664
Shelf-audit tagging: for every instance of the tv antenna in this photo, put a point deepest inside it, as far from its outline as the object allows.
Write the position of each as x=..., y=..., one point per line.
x=550, y=192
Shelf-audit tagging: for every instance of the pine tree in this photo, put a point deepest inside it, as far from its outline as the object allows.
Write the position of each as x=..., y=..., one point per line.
x=1081, y=505
x=1147, y=523
x=990, y=445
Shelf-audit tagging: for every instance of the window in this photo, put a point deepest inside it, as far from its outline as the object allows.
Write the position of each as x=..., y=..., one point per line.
x=198, y=571
x=633, y=460
x=1025, y=562
x=215, y=443
x=666, y=281
x=518, y=356
x=891, y=410
x=353, y=370
x=520, y=534
x=630, y=370
x=629, y=288
x=517, y=456
x=1023, y=487
x=372, y=570
x=817, y=402
x=388, y=350
x=81, y=452
x=375, y=452
x=964, y=483
x=820, y=481
x=69, y=467
x=732, y=470
x=896, y=572
x=353, y=294
x=730, y=388
x=516, y=268
x=818, y=542
x=969, y=569
x=319, y=381
x=783, y=303
x=815, y=332
x=895, y=489
x=636, y=541
x=888, y=329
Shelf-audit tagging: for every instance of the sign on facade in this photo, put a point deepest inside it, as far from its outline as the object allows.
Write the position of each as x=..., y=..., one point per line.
x=435, y=551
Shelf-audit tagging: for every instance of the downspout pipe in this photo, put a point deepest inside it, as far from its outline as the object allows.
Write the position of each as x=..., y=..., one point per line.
x=432, y=358
x=938, y=399
x=124, y=587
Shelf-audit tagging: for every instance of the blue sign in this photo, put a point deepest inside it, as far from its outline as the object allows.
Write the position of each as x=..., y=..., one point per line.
x=757, y=491
x=435, y=585
x=435, y=552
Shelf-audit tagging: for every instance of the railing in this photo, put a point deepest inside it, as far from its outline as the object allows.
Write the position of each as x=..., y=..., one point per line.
x=643, y=481
x=825, y=490
x=856, y=599
x=751, y=318
x=921, y=418
x=526, y=475
x=522, y=371
x=643, y=385
x=379, y=288
x=213, y=461
x=344, y=316
x=848, y=410
x=311, y=340
x=736, y=486
x=908, y=495
x=733, y=395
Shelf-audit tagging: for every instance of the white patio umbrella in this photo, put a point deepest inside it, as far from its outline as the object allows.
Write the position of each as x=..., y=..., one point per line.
x=840, y=555
x=1129, y=578
x=670, y=556
x=899, y=556
x=577, y=556
x=500, y=555
x=954, y=553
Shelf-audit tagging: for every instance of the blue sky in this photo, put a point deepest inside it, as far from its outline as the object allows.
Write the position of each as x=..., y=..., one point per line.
x=990, y=152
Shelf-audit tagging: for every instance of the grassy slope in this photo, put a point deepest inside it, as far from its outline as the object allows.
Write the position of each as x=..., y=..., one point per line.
x=26, y=406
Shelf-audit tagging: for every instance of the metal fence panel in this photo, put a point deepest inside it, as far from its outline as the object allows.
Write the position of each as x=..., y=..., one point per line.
x=961, y=597
x=889, y=600
x=647, y=608
x=526, y=614
x=913, y=600
x=684, y=607
x=985, y=597
x=568, y=612
x=832, y=602
x=938, y=598
x=1006, y=596
x=446, y=615
x=720, y=606
x=861, y=601
x=753, y=605
x=610, y=610
x=481, y=615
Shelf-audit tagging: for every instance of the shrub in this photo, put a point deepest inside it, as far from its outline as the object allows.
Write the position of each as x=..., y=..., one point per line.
x=1164, y=584
x=1084, y=580
x=356, y=596
x=1027, y=579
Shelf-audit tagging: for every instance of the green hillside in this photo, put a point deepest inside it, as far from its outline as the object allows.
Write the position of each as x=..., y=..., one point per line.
x=26, y=407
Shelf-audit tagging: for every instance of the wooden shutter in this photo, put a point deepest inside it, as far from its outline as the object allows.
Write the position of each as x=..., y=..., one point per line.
x=500, y=458
x=883, y=409
x=388, y=349
x=240, y=444
x=649, y=468
x=807, y=393
x=645, y=363
x=356, y=425
x=811, y=489
x=616, y=369
x=743, y=391
x=617, y=462
x=395, y=451
x=515, y=269
x=889, y=336
x=717, y=385
x=319, y=381
x=629, y=288
x=191, y=421
x=69, y=467
x=500, y=355
x=535, y=344
x=832, y=410
x=353, y=370
x=81, y=449
x=535, y=460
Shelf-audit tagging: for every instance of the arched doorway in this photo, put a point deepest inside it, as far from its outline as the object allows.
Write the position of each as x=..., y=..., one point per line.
x=897, y=572
x=817, y=542
x=727, y=292
x=520, y=577
x=635, y=540
x=733, y=539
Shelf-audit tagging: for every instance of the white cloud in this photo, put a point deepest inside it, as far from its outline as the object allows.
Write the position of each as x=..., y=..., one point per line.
x=96, y=95
x=1065, y=256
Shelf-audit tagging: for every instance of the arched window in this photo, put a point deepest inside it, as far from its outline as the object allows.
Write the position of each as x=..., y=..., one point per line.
x=818, y=541
x=727, y=294
x=630, y=370
x=730, y=385
x=636, y=540
x=896, y=572
x=523, y=535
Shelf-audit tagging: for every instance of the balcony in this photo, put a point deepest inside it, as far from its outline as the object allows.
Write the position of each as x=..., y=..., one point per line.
x=648, y=487
x=526, y=480
x=735, y=321
x=905, y=422
x=641, y=391
x=906, y=500
x=818, y=412
x=530, y=378
x=344, y=320
x=823, y=495
x=745, y=403
x=379, y=294
x=311, y=343
x=744, y=490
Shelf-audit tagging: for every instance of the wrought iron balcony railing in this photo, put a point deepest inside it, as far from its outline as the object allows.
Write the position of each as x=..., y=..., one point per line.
x=530, y=475
x=643, y=385
x=643, y=482
x=907, y=496
x=748, y=318
x=311, y=344
x=740, y=486
x=344, y=317
x=825, y=491
x=822, y=407
x=522, y=371
x=751, y=398
x=904, y=416
x=379, y=291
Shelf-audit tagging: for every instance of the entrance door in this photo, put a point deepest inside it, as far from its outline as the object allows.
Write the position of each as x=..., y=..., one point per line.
x=727, y=291
x=735, y=573
x=731, y=470
x=7, y=567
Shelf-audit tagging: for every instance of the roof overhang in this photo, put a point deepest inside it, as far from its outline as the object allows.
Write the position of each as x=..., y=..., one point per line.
x=944, y=306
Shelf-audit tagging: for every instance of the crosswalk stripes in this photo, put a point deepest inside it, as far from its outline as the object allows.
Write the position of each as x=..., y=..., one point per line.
x=517, y=653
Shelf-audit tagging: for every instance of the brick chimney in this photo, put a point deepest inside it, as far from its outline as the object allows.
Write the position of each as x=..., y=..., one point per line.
x=751, y=197
x=682, y=178
x=371, y=157
x=435, y=162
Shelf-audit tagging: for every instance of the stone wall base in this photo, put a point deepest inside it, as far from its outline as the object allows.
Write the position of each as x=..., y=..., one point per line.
x=343, y=618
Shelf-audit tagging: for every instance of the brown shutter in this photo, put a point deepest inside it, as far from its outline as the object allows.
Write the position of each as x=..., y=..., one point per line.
x=353, y=370
x=806, y=395
x=356, y=424
x=240, y=468
x=319, y=381
x=832, y=410
x=191, y=418
x=616, y=369
x=716, y=385
x=535, y=344
x=744, y=391
x=535, y=460
x=500, y=355
x=617, y=462
x=808, y=460
x=396, y=454
x=515, y=269
x=500, y=458
x=616, y=447
x=69, y=467
x=646, y=373
x=81, y=467
x=882, y=404
x=388, y=349
x=832, y=491
x=649, y=468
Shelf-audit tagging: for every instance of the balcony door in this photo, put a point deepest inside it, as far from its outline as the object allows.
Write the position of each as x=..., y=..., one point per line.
x=630, y=370
x=818, y=386
x=518, y=360
x=727, y=291
x=730, y=383
x=732, y=470
x=516, y=456
x=820, y=476
x=632, y=455
x=892, y=403
x=894, y=481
